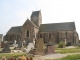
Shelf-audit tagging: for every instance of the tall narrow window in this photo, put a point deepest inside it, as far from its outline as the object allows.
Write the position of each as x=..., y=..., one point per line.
x=11, y=37
x=49, y=35
x=27, y=33
x=40, y=35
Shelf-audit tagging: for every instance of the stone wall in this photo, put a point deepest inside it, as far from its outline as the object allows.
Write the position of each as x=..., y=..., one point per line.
x=32, y=30
x=11, y=37
x=59, y=36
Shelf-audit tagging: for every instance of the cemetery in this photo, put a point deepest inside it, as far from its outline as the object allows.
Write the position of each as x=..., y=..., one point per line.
x=36, y=50
x=36, y=41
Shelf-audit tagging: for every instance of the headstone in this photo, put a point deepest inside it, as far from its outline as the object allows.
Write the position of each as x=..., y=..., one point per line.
x=6, y=47
x=29, y=47
x=34, y=41
x=65, y=41
x=15, y=42
x=50, y=49
x=24, y=43
x=15, y=45
x=28, y=41
x=2, y=44
x=39, y=44
x=20, y=44
x=68, y=44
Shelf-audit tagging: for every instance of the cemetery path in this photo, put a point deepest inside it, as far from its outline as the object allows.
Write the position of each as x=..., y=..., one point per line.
x=53, y=56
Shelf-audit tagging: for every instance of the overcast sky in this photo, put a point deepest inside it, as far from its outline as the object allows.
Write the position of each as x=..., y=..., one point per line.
x=15, y=12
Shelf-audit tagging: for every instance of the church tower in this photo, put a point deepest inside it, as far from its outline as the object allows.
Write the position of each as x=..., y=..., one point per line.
x=36, y=17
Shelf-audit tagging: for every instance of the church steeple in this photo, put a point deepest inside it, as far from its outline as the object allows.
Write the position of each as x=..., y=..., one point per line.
x=36, y=17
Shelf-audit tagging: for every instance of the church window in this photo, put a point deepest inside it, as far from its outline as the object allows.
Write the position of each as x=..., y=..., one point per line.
x=40, y=35
x=49, y=35
x=27, y=33
x=11, y=37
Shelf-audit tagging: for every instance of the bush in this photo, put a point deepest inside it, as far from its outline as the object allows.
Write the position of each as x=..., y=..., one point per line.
x=61, y=45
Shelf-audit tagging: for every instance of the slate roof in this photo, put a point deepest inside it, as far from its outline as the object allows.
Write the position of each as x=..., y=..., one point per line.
x=16, y=29
x=33, y=24
x=1, y=35
x=57, y=27
x=35, y=13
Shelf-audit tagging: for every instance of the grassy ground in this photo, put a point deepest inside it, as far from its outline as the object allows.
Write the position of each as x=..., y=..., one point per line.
x=71, y=57
x=13, y=54
x=67, y=50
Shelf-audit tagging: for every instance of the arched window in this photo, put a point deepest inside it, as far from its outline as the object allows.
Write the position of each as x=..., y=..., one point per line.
x=27, y=33
x=40, y=35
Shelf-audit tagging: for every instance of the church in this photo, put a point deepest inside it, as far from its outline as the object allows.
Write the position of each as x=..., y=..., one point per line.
x=33, y=29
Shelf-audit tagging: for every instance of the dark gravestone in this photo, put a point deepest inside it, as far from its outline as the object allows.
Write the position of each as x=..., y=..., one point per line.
x=2, y=44
x=6, y=47
x=27, y=42
x=50, y=49
x=68, y=44
x=20, y=44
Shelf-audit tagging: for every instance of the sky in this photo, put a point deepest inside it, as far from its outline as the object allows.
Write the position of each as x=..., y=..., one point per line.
x=16, y=12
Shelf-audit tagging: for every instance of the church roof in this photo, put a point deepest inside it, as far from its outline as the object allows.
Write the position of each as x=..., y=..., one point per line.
x=33, y=24
x=16, y=29
x=57, y=27
x=35, y=13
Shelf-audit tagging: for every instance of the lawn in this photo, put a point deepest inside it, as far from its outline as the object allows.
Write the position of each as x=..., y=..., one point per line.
x=12, y=54
x=67, y=50
x=71, y=57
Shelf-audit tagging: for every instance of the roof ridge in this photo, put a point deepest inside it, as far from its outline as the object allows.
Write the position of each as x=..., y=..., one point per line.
x=33, y=23
x=57, y=23
x=16, y=26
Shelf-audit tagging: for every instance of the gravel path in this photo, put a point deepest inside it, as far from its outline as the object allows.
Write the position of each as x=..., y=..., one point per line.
x=52, y=56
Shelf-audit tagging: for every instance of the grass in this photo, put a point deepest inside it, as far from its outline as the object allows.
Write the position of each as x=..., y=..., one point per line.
x=14, y=54
x=67, y=50
x=71, y=57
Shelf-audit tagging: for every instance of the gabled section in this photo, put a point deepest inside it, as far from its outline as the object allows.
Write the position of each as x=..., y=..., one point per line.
x=29, y=22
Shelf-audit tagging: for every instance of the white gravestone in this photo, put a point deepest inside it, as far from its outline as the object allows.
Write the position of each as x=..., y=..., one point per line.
x=29, y=47
x=15, y=45
x=65, y=41
x=34, y=41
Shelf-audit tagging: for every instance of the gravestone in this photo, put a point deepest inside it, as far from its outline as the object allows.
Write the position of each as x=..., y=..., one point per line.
x=2, y=44
x=29, y=47
x=20, y=43
x=6, y=47
x=39, y=45
x=27, y=42
x=50, y=49
x=15, y=45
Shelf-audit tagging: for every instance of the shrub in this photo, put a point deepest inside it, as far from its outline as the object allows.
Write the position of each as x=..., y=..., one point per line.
x=61, y=45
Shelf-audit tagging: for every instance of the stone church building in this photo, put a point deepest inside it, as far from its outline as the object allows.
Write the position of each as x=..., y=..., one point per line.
x=33, y=29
